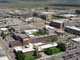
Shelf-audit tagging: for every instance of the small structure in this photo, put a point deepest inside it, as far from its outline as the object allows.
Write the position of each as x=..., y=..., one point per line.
x=3, y=29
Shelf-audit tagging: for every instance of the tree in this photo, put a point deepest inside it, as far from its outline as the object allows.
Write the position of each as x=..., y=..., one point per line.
x=53, y=39
x=77, y=11
x=11, y=29
x=48, y=51
x=35, y=14
x=62, y=46
x=20, y=55
x=46, y=8
x=3, y=35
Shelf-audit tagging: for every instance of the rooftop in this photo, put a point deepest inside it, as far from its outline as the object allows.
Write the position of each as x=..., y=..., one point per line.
x=73, y=27
x=60, y=20
x=47, y=13
x=76, y=39
x=69, y=15
x=30, y=47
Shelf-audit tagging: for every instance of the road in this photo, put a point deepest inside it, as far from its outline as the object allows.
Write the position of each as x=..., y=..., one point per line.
x=6, y=48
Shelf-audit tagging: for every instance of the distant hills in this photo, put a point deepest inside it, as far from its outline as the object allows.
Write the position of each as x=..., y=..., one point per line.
x=53, y=1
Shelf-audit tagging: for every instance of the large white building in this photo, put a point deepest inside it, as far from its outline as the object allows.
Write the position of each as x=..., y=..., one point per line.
x=72, y=30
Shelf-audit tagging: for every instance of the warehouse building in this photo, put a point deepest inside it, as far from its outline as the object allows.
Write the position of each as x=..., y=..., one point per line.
x=72, y=30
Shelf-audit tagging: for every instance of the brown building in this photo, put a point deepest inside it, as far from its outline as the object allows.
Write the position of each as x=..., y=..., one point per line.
x=57, y=24
x=35, y=39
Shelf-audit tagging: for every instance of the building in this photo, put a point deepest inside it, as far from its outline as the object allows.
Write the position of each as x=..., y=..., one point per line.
x=30, y=48
x=72, y=30
x=69, y=15
x=76, y=41
x=19, y=40
x=59, y=24
x=48, y=15
x=26, y=38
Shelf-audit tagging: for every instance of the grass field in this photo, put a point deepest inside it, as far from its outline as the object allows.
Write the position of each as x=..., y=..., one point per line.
x=53, y=51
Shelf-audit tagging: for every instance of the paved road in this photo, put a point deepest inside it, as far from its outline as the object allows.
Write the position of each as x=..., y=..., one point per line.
x=8, y=51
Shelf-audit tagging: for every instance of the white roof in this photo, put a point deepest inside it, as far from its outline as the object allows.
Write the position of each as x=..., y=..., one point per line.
x=73, y=27
x=4, y=29
x=49, y=27
x=60, y=20
x=18, y=48
x=23, y=49
x=47, y=12
x=76, y=39
x=30, y=31
x=31, y=35
x=30, y=48
x=40, y=43
x=27, y=50
x=47, y=46
x=4, y=58
x=69, y=15
x=29, y=19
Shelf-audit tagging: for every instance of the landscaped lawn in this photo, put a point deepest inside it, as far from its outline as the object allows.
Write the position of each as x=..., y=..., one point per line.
x=56, y=50
x=21, y=56
x=30, y=57
x=53, y=51
x=40, y=33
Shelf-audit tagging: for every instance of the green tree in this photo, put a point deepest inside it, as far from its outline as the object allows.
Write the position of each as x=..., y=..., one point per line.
x=3, y=35
x=46, y=8
x=48, y=51
x=53, y=39
x=62, y=46
x=20, y=55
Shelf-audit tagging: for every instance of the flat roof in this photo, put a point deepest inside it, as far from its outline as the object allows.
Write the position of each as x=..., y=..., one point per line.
x=47, y=13
x=40, y=43
x=76, y=39
x=60, y=20
x=20, y=48
x=73, y=27
x=47, y=46
x=69, y=15
x=49, y=27
x=27, y=50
